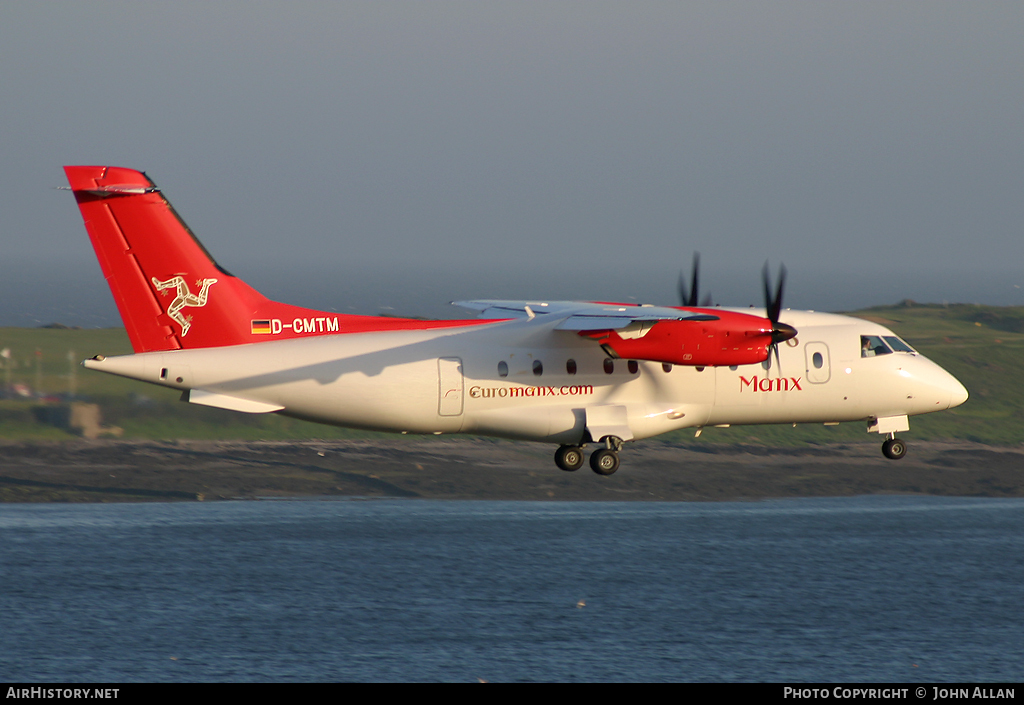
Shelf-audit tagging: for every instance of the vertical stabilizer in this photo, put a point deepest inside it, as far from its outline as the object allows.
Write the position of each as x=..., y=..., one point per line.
x=170, y=292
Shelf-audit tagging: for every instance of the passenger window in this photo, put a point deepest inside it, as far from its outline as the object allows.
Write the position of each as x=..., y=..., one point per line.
x=633, y=366
x=898, y=345
x=817, y=360
x=609, y=365
x=570, y=366
x=538, y=368
x=503, y=369
x=872, y=346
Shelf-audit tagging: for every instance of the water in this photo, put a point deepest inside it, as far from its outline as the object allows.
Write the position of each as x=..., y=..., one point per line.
x=862, y=589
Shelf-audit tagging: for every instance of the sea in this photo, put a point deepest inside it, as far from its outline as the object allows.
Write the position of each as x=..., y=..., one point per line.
x=863, y=589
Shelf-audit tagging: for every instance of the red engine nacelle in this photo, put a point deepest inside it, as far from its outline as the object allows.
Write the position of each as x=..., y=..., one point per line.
x=725, y=338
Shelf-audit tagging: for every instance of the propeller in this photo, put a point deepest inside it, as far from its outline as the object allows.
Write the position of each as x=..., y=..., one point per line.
x=773, y=307
x=691, y=299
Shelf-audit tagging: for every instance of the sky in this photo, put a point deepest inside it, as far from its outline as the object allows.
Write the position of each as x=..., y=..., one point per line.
x=390, y=157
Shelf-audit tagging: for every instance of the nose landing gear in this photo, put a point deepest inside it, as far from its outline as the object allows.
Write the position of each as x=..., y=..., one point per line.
x=894, y=448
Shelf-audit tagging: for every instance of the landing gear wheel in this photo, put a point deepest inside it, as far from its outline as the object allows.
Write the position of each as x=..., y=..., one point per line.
x=569, y=458
x=604, y=461
x=894, y=449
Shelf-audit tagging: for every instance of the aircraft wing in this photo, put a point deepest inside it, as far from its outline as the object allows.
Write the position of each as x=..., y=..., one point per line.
x=681, y=336
x=581, y=315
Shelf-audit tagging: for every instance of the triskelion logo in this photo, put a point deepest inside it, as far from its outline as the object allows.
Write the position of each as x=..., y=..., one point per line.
x=184, y=298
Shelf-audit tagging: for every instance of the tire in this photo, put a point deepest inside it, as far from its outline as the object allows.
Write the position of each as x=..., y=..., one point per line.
x=894, y=449
x=569, y=458
x=604, y=461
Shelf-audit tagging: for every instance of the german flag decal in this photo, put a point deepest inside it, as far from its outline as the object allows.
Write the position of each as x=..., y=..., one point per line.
x=261, y=327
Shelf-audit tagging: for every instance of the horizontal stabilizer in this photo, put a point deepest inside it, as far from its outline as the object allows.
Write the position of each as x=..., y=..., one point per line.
x=122, y=190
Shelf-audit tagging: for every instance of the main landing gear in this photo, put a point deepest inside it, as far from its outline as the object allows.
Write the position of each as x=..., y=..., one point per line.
x=569, y=458
x=894, y=448
x=603, y=461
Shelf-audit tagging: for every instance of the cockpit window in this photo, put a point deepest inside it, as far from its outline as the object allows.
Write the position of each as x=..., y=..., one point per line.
x=872, y=346
x=898, y=345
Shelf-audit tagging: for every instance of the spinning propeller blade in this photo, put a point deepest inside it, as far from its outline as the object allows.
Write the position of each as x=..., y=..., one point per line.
x=773, y=308
x=691, y=298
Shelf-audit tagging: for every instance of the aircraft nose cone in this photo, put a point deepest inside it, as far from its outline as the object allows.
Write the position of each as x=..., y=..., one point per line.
x=957, y=393
x=931, y=388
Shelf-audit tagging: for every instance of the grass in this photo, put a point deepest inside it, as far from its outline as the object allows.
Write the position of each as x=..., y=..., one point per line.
x=983, y=346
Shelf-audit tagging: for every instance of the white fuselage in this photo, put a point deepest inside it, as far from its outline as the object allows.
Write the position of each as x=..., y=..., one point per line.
x=450, y=381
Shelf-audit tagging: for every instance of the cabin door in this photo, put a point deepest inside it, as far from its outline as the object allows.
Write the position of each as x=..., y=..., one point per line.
x=449, y=386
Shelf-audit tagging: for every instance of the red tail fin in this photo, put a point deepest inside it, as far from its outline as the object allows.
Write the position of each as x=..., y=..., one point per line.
x=170, y=292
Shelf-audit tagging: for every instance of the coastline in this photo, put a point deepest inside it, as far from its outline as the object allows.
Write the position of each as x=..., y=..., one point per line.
x=483, y=469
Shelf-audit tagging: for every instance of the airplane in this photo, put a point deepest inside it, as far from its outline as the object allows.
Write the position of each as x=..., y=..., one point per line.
x=566, y=373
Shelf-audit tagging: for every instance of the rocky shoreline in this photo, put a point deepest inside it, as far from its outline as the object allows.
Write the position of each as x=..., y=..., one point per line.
x=473, y=468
